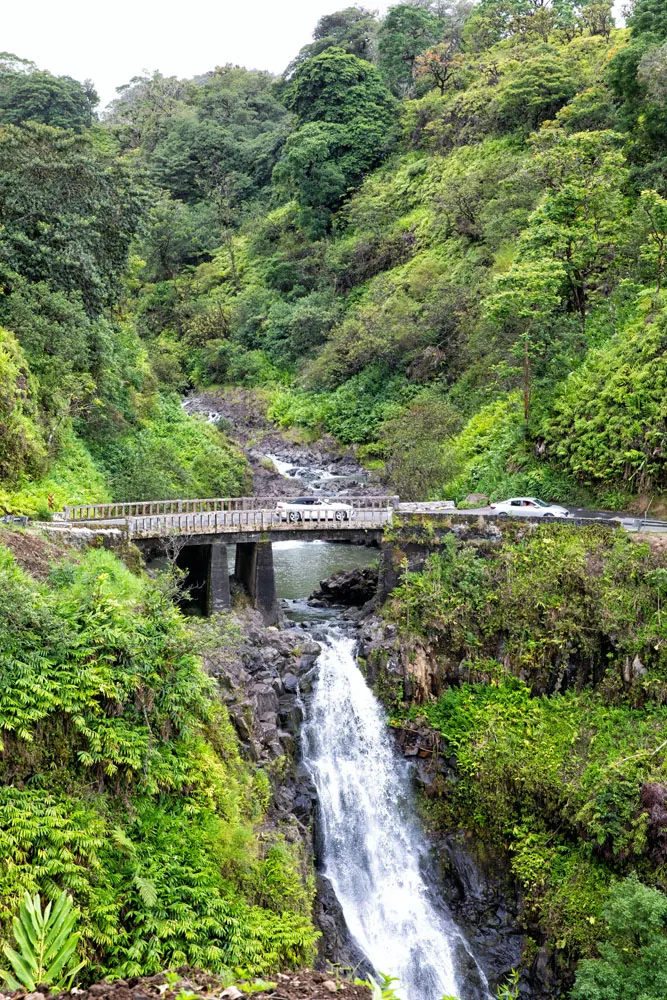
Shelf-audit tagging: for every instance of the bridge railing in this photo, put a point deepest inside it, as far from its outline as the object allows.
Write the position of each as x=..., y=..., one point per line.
x=232, y=522
x=152, y=508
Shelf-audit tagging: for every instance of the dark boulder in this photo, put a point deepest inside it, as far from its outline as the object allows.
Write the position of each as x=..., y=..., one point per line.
x=351, y=588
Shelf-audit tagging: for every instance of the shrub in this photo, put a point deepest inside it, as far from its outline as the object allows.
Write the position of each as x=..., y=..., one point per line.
x=173, y=455
x=74, y=478
x=22, y=448
x=633, y=954
x=417, y=459
x=609, y=421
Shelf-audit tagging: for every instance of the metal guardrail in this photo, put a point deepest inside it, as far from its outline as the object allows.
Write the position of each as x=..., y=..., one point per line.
x=233, y=522
x=150, y=508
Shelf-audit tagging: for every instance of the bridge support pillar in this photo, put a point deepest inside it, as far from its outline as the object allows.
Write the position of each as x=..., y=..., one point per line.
x=218, y=597
x=254, y=569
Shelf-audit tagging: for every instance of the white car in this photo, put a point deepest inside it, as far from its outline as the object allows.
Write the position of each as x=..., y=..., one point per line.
x=530, y=506
x=314, y=509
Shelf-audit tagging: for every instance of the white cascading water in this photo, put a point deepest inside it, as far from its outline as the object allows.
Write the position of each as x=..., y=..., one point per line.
x=372, y=846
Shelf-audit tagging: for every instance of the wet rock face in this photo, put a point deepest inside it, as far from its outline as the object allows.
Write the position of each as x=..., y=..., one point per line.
x=350, y=588
x=653, y=801
x=485, y=903
x=259, y=683
x=402, y=670
x=336, y=946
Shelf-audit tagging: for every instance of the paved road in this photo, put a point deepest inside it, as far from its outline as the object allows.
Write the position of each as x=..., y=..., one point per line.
x=627, y=521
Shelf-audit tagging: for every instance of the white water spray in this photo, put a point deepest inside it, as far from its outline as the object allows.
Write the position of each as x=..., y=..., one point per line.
x=372, y=847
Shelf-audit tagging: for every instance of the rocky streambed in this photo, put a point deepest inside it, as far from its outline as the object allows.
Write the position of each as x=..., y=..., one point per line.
x=194, y=984
x=282, y=464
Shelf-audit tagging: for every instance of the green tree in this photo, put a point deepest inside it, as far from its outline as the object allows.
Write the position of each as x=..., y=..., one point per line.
x=598, y=18
x=406, y=32
x=583, y=221
x=339, y=88
x=526, y=297
x=140, y=115
x=67, y=214
x=352, y=29
x=654, y=208
x=311, y=170
x=38, y=96
x=633, y=956
x=347, y=117
x=652, y=72
x=174, y=237
x=493, y=20
x=649, y=17
x=534, y=93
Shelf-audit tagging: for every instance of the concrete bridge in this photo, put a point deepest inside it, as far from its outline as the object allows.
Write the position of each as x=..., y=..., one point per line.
x=196, y=535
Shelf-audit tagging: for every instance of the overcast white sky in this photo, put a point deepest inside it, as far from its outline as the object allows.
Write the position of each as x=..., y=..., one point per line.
x=111, y=42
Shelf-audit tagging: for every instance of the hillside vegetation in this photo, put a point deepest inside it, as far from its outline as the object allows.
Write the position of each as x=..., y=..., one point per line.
x=121, y=780
x=440, y=237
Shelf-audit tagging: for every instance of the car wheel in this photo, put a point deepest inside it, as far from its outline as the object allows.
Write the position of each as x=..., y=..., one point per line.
x=294, y=515
x=339, y=515
x=503, y=514
x=346, y=516
x=548, y=517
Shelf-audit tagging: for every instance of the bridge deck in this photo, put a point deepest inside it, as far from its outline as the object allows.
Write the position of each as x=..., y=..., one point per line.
x=255, y=515
x=250, y=521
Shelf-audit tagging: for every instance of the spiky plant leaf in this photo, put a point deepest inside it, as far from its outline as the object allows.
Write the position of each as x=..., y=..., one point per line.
x=24, y=970
x=375, y=986
x=9, y=979
x=47, y=944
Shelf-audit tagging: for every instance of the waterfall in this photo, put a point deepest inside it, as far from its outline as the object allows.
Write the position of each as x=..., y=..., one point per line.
x=373, y=848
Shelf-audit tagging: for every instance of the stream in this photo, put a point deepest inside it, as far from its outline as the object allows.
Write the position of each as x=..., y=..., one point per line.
x=373, y=851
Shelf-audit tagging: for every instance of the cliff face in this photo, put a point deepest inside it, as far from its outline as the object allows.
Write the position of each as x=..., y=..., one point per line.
x=560, y=606
x=522, y=666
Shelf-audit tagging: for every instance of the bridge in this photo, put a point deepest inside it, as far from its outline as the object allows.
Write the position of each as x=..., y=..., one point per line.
x=196, y=533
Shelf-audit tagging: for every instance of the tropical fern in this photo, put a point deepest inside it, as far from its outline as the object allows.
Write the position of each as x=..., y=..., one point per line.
x=104, y=687
x=47, y=942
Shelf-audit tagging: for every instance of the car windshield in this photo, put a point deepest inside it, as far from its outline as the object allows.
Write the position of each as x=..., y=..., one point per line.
x=540, y=503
